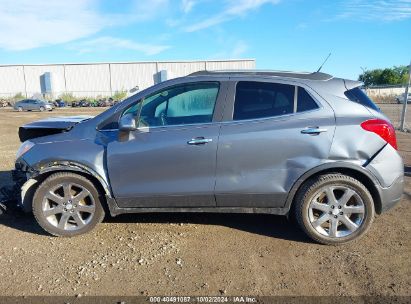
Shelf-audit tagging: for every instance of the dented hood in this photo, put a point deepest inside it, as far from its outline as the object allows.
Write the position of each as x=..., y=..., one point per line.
x=49, y=126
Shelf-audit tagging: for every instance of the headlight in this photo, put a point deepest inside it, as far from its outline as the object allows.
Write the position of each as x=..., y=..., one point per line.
x=25, y=147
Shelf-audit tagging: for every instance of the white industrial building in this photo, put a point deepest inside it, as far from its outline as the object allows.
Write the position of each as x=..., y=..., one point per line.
x=100, y=79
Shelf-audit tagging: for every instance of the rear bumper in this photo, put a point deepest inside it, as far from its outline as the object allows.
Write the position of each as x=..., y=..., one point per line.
x=388, y=168
x=391, y=195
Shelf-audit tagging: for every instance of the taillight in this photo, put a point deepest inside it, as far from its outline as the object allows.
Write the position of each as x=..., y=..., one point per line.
x=382, y=128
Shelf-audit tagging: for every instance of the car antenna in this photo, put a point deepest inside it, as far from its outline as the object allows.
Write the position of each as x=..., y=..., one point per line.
x=319, y=69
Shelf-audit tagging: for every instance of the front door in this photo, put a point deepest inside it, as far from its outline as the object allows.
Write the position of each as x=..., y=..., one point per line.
x=30, y=105
x=170, y=160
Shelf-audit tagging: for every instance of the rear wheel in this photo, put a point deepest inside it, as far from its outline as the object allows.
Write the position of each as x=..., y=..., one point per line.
x=67, y=204
x=334, y=209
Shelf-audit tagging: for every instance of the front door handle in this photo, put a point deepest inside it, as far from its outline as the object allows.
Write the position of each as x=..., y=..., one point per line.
x=199, y=141
x=313, y=130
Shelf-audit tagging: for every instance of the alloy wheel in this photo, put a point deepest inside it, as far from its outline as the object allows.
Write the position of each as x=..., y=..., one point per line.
x=68, y=206
x=336, y=211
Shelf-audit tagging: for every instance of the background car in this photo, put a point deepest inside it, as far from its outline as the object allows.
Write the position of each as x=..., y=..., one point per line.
x=401, y=98
x=106, y=102
x=59, y=103
x=33, y=105
x=82, y=103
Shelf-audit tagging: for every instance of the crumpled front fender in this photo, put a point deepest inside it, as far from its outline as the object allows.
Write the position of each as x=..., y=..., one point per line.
x=33, y=178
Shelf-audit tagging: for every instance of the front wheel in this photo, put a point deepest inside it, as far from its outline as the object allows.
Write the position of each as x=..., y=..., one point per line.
x=67, y=204
x=334, y=209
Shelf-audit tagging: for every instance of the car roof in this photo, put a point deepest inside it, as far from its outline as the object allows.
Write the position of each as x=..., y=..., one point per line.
x=283, y=74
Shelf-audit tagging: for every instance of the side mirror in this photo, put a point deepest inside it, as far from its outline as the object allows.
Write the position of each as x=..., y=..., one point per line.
x=127, y=123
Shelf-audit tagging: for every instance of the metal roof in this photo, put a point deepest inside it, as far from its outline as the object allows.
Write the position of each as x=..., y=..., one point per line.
x=284, y=74
x=129, y=62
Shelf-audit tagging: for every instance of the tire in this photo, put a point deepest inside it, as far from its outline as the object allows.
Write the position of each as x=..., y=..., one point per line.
x=20, y=109
x=324, y=203
x=61, y=213
x=42, y=109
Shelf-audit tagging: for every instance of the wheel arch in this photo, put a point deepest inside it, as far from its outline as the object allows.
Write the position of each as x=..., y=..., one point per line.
x=29, y=188
x=355, y=171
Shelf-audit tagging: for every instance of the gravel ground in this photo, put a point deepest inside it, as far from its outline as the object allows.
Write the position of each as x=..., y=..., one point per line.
x=197, y=254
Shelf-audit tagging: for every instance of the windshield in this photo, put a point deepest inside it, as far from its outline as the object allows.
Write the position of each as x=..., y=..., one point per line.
x=357, y=95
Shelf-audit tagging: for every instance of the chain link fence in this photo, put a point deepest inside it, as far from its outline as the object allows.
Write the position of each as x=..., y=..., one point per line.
x=394, y=111
x=390, y=101
x=386, y=98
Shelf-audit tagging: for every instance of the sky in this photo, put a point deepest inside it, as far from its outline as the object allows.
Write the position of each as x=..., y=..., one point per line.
x=292, y=35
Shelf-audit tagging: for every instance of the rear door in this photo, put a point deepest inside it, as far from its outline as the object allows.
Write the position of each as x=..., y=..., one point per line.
x=272, y=133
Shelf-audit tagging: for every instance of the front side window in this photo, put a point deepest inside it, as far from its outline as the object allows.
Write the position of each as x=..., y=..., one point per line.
x=262, y=99
x=179, y=105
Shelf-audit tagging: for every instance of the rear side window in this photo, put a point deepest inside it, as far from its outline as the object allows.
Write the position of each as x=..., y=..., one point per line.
x=304, y=101
x=357, y=95
x=262, y=99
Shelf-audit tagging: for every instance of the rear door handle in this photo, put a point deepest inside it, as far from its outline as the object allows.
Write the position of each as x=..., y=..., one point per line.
x=313, y=130
x=199, y=141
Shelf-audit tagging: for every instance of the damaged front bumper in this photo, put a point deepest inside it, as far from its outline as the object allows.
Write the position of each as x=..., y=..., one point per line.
x=23, y=189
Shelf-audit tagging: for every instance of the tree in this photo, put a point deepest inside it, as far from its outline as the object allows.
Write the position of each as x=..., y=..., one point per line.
x=397, y=75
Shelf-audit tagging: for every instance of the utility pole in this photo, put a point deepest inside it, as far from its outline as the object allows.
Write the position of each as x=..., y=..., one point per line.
x=404, y=108
x=25, y=82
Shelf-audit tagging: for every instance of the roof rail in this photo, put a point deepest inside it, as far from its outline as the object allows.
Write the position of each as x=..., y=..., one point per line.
x=284, y=74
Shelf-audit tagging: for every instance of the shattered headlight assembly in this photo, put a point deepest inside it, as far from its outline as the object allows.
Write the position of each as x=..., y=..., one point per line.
x=24, y=148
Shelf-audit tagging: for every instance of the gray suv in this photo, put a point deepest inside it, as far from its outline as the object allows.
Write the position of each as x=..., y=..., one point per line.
x=306, y=145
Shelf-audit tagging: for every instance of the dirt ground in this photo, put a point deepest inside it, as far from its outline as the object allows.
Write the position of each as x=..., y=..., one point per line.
x=197, y=254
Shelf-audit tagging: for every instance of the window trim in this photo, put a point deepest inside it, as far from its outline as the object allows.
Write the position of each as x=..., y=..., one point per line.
x=319, y=105
x=262, y=119
x=295, y=100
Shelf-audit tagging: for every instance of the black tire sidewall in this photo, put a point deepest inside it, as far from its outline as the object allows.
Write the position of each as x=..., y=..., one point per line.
x=60, y=178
